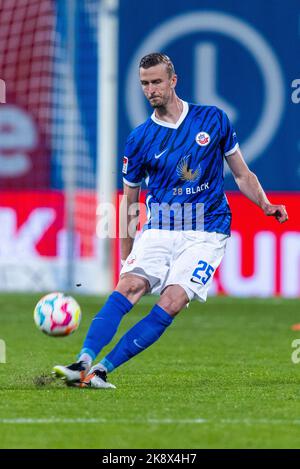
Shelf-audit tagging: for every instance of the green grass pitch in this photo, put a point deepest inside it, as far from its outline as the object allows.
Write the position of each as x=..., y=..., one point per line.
x=221, y=377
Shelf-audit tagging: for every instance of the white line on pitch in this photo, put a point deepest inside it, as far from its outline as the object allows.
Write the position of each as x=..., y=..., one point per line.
x=28, y=421
x=261, y=421
x=101, y=420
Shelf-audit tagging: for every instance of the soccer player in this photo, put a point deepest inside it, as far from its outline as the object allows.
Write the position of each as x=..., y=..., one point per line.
x=180, y=152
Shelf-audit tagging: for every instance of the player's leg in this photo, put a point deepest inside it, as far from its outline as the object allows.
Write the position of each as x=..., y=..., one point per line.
x=129, y=290
x=173, y=299
x=141, y=335
x=141, y=271
x=104, y=325
x=149, y=263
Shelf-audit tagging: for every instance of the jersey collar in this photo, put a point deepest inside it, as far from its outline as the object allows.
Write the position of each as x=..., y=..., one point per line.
x=183, y=115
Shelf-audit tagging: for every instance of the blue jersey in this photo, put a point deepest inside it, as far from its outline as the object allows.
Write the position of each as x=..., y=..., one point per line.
x=183, y=166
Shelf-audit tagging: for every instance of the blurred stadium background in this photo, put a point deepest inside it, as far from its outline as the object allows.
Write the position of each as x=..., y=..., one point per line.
x=223, y=378
x=72, y=96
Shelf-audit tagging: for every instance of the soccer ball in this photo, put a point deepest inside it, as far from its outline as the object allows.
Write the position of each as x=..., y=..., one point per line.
x=57, y=314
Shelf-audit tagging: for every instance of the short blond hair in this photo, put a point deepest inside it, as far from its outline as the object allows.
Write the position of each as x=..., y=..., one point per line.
x=156, y=58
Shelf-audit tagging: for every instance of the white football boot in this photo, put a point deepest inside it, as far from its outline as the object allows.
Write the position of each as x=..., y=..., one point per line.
x=96, y=378
x=73, y=374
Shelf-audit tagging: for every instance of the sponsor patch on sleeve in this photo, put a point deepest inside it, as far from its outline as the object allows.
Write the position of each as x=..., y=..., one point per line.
x=125, y=165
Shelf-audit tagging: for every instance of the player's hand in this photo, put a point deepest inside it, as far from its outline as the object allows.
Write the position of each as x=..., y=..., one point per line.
x=277, y=211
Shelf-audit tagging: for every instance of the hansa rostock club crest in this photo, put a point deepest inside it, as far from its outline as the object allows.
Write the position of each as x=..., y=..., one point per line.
x=203, y=139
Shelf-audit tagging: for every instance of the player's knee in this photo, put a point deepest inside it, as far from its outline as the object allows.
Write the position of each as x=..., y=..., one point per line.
x=170, y=305
x=173, y=301
x=132, y=287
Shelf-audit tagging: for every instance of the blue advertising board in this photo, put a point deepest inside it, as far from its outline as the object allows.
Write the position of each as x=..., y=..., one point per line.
x=240, y=56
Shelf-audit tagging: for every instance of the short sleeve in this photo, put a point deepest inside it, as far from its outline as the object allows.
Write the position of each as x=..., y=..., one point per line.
x=229, y=143
x=133, y=167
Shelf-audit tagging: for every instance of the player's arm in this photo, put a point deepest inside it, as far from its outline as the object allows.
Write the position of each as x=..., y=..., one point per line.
x=128, y=225
x=249, y=185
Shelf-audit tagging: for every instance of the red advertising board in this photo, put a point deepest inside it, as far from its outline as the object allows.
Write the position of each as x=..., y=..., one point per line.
x=26, y=67
x=35, y=223
x=265, y=253
x=262, y=257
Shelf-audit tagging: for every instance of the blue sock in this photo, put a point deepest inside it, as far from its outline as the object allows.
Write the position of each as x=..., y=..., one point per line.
x=138, y=338
x=105, y=324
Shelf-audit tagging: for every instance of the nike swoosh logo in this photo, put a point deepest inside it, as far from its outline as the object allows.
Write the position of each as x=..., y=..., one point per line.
x=195, y=281
x=158, y=156
x=137, y=344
